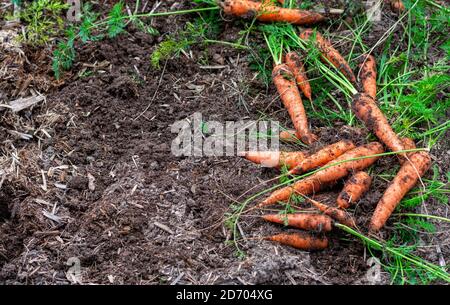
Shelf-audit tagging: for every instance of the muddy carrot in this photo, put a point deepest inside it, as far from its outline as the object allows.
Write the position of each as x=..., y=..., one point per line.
x=408, y=144
x=300, y=241
x=304, y=221
x=276, y=158
x=337, y=214
x=367, y=111
x=330, y=174
x=288, y=136
x=269, y=13
x=330, y=54
x=353, y=189
x=323, y=156
x=368, y=76
x=396, y=5
x=294, y=63
x=284, y=81
x=408, y=175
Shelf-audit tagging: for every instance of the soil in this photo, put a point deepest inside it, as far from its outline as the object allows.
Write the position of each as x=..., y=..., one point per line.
x=126, y=207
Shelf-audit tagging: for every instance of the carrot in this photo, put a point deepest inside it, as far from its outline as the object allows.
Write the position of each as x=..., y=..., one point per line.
x=329, y=175
x=330, y=54
x=300, y=241
x=406, y=178
x=288, y=136
x=355, y=187
x=306, y=187
x=284, y=81
x=396, y=5
x=269, y=13
x=276, y=158
x=315, y=222
x=408, y=144
x=335, y=213
x=367, y=111
x=368, y=76
x=323, y=156
x=294, y=63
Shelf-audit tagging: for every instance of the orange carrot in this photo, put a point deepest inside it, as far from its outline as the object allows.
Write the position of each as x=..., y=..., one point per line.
x=300, y=241
x=330, y=54
x=294, y=63
x=408, y=144
x=288, y=136
x=330, y=174
x=408, y=175
x=276, y=158
x=313, y=222
x=355, y=187
x=269, y=13
x=368, y=76
x=339, y=215
x=323, y=156
x=396, y=5
x=284, y=81
x=367, y=111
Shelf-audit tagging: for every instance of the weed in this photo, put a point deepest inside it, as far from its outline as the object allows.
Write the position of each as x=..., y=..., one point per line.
x=116, y=23
x=42, y=21
x=201, y=31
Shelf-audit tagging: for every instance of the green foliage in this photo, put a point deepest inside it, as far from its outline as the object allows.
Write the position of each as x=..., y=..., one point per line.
x=64, y=54
x=42, y=21
x=116, y=23
x=88, y=19
x=426, y=103
x=194, y=33
x=144, y=27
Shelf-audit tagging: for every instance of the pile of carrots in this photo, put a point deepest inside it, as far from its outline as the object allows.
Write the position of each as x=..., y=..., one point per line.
x=338, y=160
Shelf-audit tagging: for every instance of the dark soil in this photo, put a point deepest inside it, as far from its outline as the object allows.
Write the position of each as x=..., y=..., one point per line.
x=130, y=210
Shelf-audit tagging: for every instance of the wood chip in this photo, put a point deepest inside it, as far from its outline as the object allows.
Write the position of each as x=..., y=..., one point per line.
x=212, y=67
x=21, y=135
x=175, y=281
x=23, y=103
x=52, y=216
x=91, y=183
x=61, y=186
x=44, y=181
x=163, y=227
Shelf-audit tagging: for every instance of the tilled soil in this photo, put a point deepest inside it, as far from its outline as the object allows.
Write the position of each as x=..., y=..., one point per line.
x=132, y=212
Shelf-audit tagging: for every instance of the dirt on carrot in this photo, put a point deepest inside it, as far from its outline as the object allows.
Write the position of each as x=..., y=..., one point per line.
x=269, y=13
x=323, y=156
x=354, y=188
x=300, y=241
x=304, y=221
x=276, y=158
x=290, y=96
x=367, y=111
x=368, y=76
x=407, y=177
x=337, y=214
x=294, y=62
